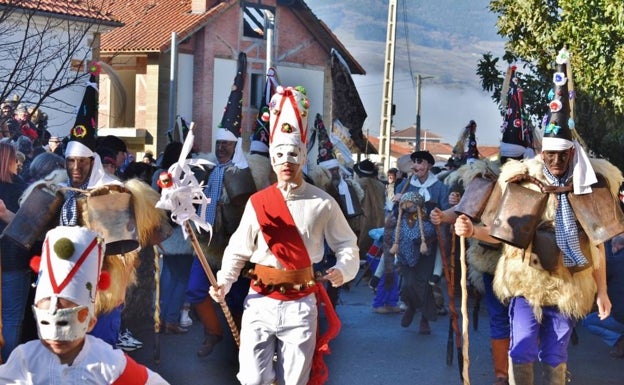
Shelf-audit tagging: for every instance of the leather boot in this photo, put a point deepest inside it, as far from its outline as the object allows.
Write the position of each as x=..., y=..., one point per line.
x=554, y=375
x=213, y=331
x=500, y=355
x=521, y=374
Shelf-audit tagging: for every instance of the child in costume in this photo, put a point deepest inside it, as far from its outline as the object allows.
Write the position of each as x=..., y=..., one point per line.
x=64, y=307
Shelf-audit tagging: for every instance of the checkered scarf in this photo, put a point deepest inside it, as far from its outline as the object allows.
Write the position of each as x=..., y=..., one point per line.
x=566, y=231
x=69, y=211
x=213, y=190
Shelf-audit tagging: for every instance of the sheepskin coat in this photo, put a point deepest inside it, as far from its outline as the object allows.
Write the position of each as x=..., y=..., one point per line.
x=519, y=275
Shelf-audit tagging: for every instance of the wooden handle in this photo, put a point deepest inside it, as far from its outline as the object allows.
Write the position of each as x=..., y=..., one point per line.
x=213, y=282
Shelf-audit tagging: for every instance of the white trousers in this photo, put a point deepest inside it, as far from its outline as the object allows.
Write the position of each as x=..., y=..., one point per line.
x=285, y=329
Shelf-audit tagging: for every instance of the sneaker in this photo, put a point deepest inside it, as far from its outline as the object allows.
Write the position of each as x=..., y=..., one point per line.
x=395, y=309
x=381, y=310
x=125, y=344
x=185, y=319
x=127, y=335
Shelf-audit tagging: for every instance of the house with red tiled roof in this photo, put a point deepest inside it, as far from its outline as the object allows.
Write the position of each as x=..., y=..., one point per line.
x=402, y=143
x=46, y=45
x=204, y=38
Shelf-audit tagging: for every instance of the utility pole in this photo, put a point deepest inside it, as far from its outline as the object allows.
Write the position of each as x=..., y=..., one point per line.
x=419, y=79
x=385, y=130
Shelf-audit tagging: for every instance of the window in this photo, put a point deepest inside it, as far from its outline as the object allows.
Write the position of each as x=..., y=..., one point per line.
x=256, y=18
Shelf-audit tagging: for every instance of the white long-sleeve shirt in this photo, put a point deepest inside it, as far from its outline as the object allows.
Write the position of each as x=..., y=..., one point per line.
x=317, y=217
x=97, y=363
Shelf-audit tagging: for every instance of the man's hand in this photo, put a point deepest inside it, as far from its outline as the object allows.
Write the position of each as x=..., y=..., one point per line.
x=604, y=305
x=218, y=294
x=334, y=276
x=436, y=216
x=464, y=226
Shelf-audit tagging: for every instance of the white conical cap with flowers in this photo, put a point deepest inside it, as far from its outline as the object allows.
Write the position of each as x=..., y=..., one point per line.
x=288, y=120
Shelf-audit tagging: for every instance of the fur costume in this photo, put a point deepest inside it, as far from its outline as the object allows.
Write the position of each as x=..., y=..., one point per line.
x=480, y=259
x=572, y=293
x=152, y=227
x=373, y=207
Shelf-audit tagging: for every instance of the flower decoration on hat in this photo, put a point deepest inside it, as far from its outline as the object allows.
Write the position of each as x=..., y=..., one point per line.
x=95, y=68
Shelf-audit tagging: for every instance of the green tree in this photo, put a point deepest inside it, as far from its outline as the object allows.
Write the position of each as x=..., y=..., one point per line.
x=593, y=32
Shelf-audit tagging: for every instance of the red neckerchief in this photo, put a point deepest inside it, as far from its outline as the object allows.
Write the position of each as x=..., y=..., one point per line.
x=282, y=236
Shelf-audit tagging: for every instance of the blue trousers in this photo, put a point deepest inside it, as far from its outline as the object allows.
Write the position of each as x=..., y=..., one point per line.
x=385, y=297
x=173, y=283
x=608, y=329
x=15, y=287
x=531, y=341
x=108, y=326
x=499, y=313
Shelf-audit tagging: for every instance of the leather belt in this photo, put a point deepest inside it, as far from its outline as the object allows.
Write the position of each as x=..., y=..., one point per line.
x=272, y=279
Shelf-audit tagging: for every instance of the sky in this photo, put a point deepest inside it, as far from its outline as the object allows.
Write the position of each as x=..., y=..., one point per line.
x=444, y=111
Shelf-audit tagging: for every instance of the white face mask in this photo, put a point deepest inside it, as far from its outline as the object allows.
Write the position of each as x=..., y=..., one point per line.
x=62, y=324
x=286, y=153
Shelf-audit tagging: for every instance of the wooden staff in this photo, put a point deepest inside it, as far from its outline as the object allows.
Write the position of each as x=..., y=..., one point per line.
x=449, y=276
x=157, y=307
x=213, y=281
x=464, y=308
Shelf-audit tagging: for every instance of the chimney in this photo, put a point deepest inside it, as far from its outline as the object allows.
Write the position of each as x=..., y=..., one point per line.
x=199, y=6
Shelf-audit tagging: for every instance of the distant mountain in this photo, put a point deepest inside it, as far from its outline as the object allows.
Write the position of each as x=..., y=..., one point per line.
x=446, y=37
x=446, y=40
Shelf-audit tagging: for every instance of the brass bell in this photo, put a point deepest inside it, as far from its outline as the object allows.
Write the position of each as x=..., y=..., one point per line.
x=282, y=290
x=311, y=283
x=270, y=287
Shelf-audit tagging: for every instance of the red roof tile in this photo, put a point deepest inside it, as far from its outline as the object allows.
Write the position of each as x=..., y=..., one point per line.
x=149, y=24
x=84, y=9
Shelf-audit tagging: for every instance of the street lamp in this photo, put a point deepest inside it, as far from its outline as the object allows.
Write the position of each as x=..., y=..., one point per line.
x=419, y=79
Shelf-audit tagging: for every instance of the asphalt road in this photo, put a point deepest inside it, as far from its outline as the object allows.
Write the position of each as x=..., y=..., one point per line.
x=373, y=349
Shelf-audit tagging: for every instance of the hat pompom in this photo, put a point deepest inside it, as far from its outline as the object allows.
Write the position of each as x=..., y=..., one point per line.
x=104, y=281
x=64, y=248
x=35, y=263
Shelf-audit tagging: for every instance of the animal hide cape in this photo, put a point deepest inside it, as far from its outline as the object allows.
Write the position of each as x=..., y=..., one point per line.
x=517, y=275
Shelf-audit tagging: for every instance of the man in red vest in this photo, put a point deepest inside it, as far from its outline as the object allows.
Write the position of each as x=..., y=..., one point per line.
x=282, y=232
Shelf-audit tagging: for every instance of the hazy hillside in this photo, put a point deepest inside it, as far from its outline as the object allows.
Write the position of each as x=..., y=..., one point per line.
x=446, y=37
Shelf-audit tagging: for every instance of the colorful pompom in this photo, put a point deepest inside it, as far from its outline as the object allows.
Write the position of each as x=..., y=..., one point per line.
x=105, y=281
x=64, y=248
x=35, y=263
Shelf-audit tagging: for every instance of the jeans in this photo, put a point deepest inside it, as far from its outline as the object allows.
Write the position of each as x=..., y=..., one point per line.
x=173, y=283
x=15, y=287
x=108, y=326
x=608, y=329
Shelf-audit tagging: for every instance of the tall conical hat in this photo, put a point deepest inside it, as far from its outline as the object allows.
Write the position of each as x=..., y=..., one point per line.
x=230, y=126
x=326, y=157
x=260, y=136
x=82, y=135
x=517, y=139
x=557, y=134
x=289, y=119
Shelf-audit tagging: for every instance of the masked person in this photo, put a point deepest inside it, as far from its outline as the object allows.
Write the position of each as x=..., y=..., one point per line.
x=64, y=306
x=282, y=231
x=551, y=278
